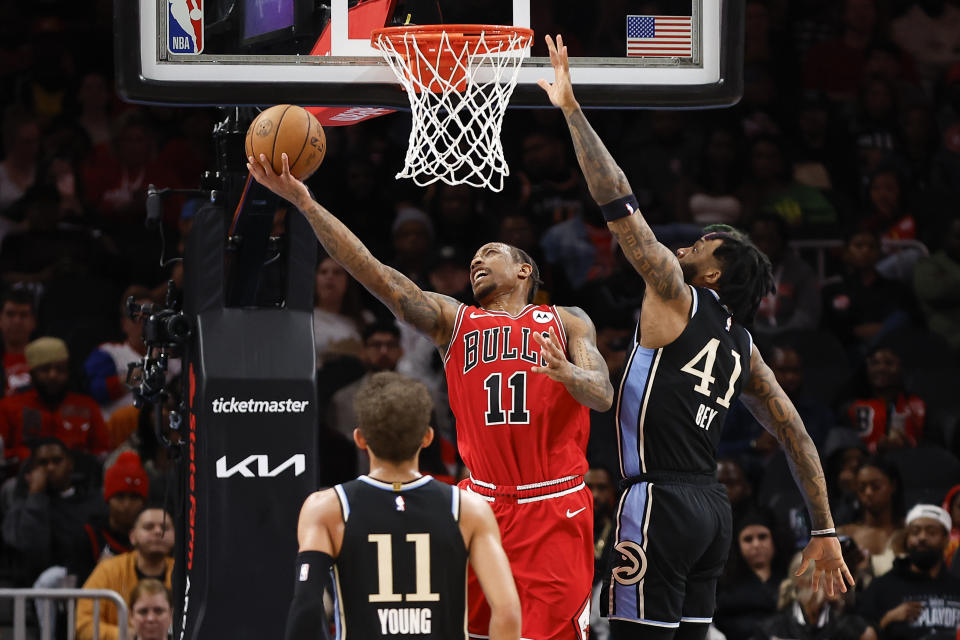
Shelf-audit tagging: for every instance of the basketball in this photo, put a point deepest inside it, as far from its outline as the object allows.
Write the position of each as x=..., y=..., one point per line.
x=287, y=128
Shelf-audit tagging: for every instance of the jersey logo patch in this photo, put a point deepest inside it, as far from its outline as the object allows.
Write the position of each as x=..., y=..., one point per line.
x=633, y=563
x=401, y=505
x=304, y=571
x=543, y=317
x=729, y=324
x=479, y=315
x=570, y=514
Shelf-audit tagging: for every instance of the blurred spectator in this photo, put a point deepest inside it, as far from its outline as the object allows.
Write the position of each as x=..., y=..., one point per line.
x=743, y=434
x=708, y=193
x=46, y=247
x=881, y=410
x=48, y=511
x=519, y=231
x=796, y=302
x=886, y=214
x=49, y=409
x=413, y=237
x=864, y=305
x=449, y=274
x=153, y=538
x=580, y=245
x=835, y=66
x=552, y=185
x=929, y=30
x=151, y=610
x=822, y=147
x=951, y=504
x=731, y=474
x=878, y=528
x=806, y=613
x=144, y=441
x=125, y=490
x=843, y=454
x=936, y=281
x=338, y=313
x=94, y=99
x=918, y=598
x=456, y=212
x=21, y=151
x=107, y=366
x=747, y=594
x=771, y=189
x=18, y=319
x=381, y=352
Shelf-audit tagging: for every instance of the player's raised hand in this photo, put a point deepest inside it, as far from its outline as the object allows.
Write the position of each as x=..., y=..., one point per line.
x=284, y=185
x=561, y=91
x=556, y=365
x=829, y=565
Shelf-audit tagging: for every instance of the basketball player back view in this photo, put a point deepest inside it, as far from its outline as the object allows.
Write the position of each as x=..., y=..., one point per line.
x=402, y=567
x=396, y=543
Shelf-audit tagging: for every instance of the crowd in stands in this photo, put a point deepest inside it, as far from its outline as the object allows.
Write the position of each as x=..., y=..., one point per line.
x=842, y=162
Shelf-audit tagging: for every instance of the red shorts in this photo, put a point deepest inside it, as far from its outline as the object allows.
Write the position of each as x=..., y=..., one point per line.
x=549, y=542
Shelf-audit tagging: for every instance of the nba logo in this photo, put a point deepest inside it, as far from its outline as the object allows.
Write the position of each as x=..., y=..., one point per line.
x=401, y=505
x=185, y=26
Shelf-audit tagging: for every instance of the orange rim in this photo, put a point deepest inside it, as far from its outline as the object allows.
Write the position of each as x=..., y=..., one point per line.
x=456, y=33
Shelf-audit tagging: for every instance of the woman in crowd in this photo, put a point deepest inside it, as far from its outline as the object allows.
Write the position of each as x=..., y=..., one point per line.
x=747, y=595
x=338, y=313
x=151, y=611
x=878, y=529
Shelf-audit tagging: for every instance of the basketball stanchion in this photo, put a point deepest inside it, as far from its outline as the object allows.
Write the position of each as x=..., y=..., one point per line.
x=459, y=79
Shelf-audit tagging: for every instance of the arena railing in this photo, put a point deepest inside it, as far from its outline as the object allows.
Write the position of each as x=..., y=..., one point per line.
x=20, y=597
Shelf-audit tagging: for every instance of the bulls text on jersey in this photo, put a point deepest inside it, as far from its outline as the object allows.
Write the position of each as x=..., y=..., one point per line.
x=498, y=343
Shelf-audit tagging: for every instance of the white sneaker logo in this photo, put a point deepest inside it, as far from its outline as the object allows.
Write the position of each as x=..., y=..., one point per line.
x=570, y=514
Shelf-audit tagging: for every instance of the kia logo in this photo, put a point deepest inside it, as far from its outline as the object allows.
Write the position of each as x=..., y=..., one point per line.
x=258, y=466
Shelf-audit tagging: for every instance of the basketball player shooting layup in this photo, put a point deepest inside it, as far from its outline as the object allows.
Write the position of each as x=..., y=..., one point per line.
x=520, y=404
x=691, y=358
x=397, y=541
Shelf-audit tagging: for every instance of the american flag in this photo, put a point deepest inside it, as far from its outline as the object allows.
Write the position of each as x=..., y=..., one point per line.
x=659, y=36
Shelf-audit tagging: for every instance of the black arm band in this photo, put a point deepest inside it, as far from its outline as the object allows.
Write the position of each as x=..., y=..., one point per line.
x=620, y=208
x=306, y=619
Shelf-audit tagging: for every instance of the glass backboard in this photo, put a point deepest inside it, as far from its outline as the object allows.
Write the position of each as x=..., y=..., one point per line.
x=624, y=53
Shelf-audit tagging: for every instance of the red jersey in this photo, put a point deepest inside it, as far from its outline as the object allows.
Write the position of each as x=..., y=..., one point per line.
x=514, y=427
x=77, y=422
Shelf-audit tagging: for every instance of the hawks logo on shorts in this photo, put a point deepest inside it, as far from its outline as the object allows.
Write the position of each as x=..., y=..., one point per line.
x=185, y=26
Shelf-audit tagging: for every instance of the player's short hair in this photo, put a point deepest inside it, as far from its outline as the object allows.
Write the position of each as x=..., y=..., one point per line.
x=521, y=256
x=747, y=275
x=393, y=414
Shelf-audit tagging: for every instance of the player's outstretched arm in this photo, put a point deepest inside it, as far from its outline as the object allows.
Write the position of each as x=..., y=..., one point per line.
x=585, y=375
x=611, y=190
x=431, y=313
x=770, y=405
x=490, y=563
x=319, y=532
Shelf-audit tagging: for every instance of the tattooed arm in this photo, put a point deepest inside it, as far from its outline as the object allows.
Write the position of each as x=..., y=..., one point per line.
x=585, y=374
x=772, y=408
x=653, y=261
x=431, y=313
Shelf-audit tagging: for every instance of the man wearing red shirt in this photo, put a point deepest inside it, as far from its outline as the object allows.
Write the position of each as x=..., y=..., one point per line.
x=48, y=409
x=17, y=322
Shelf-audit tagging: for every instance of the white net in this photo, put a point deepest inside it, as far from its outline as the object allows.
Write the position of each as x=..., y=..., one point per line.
x=458, y=93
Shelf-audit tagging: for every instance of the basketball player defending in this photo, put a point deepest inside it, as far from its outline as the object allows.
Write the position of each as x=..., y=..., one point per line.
x=398, y=542
x=691, y=358
x=520, y=403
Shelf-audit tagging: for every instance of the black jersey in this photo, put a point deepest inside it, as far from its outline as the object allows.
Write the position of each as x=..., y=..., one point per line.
x=402, y=569
x=673, y=400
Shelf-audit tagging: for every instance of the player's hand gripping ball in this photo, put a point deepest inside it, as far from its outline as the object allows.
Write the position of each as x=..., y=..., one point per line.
x=287, y=128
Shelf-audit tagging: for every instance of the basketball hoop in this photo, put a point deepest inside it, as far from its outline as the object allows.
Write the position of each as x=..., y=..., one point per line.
x=459, y=79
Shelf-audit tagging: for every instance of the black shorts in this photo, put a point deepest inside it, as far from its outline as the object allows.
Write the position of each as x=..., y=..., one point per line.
x=672, y=541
